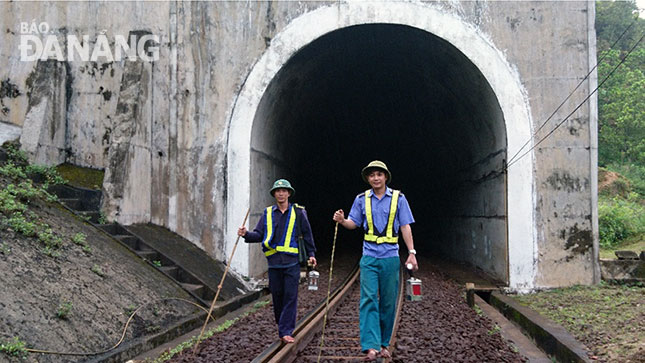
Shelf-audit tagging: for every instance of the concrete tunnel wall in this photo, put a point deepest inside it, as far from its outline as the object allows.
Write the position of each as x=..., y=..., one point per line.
x=180, y=137
x=403, y=95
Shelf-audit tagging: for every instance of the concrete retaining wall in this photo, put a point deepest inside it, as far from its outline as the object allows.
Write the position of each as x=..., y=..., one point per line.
x=162, y=129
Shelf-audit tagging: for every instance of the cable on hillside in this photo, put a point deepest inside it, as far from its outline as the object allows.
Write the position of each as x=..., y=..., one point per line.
x=125, y=328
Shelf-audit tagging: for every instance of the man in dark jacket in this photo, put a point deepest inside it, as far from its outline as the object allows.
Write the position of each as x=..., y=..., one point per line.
x=278, y=230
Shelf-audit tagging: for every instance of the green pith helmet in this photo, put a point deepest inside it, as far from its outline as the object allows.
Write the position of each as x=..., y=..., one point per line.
x=376, y=164
x=282, y=184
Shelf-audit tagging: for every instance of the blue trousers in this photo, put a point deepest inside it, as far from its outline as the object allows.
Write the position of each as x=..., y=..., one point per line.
x=379, y=290
x=283, y=284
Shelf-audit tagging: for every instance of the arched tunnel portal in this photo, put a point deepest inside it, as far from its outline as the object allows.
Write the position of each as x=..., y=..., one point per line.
x=404, y=96
x=319, y=105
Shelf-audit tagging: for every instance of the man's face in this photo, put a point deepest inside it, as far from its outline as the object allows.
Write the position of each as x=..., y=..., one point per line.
x=281, y=195
x=377, y=178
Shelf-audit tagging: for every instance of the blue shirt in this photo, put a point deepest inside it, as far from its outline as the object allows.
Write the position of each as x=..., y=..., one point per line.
x=280, y=259
x=380, y=213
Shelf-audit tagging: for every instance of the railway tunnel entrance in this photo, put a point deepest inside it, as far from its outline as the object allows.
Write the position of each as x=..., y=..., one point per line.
x=404, y=96
x=391, y=92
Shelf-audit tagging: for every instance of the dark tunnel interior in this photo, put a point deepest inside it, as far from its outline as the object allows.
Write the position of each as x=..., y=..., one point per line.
x=403, y=96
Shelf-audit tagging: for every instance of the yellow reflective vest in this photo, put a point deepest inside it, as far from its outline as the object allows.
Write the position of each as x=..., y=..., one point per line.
x=389, y=235
x=289, y=242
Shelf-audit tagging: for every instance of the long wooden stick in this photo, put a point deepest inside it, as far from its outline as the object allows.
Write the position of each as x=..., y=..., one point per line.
x=331, y=270
x=219, y=287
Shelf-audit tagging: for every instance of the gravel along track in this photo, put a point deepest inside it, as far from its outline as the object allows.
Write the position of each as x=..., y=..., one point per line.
x=440, y=328
x=443, y=328
x=252, y=334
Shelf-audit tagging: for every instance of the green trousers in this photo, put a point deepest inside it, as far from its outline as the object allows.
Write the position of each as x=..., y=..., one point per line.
x=379, y=289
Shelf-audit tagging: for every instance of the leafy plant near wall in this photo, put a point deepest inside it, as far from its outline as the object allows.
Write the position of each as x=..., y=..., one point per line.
x=20, y=192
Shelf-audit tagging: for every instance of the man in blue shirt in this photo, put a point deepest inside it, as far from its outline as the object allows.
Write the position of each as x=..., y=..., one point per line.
x=383, y=213
x=278, y=229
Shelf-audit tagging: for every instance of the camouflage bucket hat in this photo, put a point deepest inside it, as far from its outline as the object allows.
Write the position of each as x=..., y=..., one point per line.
x=282, y=184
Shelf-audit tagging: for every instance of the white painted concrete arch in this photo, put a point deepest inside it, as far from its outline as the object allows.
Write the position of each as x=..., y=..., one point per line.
x=501, y=76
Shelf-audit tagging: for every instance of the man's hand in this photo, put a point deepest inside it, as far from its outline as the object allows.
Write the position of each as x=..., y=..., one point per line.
x=241, y=231
x=339, y=216
x=312, y=261
x=412, y=259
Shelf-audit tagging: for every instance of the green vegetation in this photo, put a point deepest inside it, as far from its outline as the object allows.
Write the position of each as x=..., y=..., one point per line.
x=84, y=216
x=494, y=330
x=17, y=194
x=167, y=355
x=631, y=244
x=609, y=319
x=157, y=263
x=81, y=177
x=130, y=309
x=478, y=310
x=4, y=248
x=64, y=309
x=13, y=171
x=15, y=154
x=621, y=99
x=14, y=348
x=79, y=238
x=97, y=270
x=48, y=173
x=621, y=135
x=102, y=218
x=619, y=220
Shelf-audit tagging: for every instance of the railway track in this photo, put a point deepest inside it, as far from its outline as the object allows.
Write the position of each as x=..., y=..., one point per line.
x=338, y=340
x=441, y=327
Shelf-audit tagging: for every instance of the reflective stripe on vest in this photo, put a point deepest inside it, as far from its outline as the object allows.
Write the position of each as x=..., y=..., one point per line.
x=285, y=244
x=389, y=237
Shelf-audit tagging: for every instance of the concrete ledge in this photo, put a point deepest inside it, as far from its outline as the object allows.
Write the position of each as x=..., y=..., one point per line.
x=549, y=336
x=628, y=270
x=512, y=333
x=137, y=346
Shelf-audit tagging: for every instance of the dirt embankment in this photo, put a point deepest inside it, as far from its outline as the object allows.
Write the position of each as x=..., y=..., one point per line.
x=78, y=296
x=612, y=183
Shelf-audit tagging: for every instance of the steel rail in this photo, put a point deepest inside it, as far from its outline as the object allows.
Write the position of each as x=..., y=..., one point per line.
x=304, y=323
x=311, y=324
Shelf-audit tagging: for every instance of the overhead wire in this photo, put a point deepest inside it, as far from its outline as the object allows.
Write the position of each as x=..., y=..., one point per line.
x=605, y=53
x=509, y=164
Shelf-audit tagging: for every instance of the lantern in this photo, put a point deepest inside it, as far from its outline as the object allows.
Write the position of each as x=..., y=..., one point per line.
x=313, y=280
x=412, y=287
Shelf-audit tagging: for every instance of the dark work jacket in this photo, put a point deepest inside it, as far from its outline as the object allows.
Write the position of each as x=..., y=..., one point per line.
x=280, y=259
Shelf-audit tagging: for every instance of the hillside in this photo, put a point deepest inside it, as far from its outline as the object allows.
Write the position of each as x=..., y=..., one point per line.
x=67, y=286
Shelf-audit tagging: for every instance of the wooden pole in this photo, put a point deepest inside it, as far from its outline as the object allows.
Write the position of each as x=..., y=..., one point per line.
x=219, y=287
x=470, y=294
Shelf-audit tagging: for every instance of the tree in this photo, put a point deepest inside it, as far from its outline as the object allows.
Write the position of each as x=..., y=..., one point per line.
x=621, y=99
x=612, y=18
